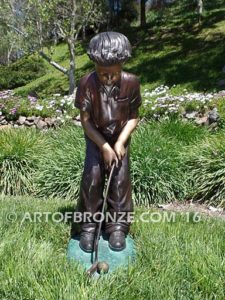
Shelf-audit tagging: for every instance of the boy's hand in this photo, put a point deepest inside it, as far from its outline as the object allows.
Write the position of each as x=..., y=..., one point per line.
x=119, y=150
x=109, y=156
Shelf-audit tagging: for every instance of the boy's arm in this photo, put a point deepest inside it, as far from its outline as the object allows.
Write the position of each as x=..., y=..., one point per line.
x=123, y=137
x=108, y=153
x=132, y=123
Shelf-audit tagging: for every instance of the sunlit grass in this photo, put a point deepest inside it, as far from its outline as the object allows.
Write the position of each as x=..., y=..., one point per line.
x=177, y=259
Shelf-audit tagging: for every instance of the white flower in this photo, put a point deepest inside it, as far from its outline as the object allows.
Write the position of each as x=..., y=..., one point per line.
x=39, y=107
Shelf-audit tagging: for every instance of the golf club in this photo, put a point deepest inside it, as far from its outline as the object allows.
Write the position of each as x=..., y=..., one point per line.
x=102, y=265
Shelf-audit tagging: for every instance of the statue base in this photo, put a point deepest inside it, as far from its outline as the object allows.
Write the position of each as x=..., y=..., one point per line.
x=115, y=259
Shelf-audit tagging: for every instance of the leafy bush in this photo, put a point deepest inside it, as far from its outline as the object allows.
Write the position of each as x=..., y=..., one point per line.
x=20, y=151
x=21, y=72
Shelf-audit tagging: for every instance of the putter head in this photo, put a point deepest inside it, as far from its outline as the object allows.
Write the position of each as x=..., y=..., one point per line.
x=92, y=269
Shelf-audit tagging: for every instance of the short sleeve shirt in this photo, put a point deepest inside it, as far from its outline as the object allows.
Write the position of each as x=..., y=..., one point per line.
x=109, y=109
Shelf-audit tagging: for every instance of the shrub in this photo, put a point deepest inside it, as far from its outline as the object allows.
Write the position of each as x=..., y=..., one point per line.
x=21, y=72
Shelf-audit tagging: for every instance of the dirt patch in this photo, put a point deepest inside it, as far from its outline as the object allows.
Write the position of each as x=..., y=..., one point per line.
x=189, y=206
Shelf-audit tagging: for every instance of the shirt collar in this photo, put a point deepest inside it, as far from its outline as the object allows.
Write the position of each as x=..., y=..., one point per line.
x=114, y=91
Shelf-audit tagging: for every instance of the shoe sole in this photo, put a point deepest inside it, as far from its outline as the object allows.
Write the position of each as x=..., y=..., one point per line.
x=117, y=249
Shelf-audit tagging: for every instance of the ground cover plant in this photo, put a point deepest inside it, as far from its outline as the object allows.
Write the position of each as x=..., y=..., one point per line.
x=12, y=106
x=163, y=101
x=157, y=103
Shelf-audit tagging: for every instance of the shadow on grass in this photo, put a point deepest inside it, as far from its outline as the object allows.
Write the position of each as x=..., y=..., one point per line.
x=68, y=218
x=177, y=56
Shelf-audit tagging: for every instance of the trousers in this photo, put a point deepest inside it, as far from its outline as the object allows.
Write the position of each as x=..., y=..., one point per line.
x=119, y=200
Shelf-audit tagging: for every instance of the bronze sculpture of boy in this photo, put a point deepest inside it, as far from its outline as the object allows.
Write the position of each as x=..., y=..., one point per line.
x=108, y=99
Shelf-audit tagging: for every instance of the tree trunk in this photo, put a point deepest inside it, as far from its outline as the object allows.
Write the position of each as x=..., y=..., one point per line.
x=200, y=10
x=142, y=13
x=71, y=72
x=9, y=52
x=84, y=33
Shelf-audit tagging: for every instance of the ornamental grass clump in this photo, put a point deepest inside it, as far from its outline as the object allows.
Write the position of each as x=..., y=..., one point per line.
x=20, y=151
x=60, y=171
x=159, y=173
x=206, y=164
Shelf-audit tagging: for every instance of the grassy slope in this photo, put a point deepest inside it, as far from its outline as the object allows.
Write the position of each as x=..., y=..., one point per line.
x=173, y=49
x=175, y=260
x=54, y=81
x=179, y=51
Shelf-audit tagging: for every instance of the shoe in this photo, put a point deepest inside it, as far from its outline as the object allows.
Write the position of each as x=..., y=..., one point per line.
x=87, y=241
x=117, y=240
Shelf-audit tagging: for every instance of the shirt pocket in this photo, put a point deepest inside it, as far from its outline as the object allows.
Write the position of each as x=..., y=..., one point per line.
x=121, y=109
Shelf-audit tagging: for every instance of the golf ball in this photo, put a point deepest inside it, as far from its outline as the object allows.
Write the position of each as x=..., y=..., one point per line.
x=103, y=267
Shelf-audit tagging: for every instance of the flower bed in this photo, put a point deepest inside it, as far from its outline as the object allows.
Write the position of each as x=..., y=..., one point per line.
x=30, y=111
x=158, y=103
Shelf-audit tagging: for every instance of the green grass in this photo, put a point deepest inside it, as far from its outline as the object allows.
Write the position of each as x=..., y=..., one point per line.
x=175, y=260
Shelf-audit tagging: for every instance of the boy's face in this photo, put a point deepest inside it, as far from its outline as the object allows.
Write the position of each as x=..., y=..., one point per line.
x=109, y=75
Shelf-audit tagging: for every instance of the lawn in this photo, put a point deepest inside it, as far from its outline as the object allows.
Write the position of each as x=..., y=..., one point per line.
x=175, y=260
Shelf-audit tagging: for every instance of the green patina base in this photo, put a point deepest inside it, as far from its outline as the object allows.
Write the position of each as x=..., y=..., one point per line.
x=113, y=258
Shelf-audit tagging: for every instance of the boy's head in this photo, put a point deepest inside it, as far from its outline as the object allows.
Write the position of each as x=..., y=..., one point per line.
x=109, y=50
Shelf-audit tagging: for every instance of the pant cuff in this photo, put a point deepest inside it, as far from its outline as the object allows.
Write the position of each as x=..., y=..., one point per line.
x=111, y=227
